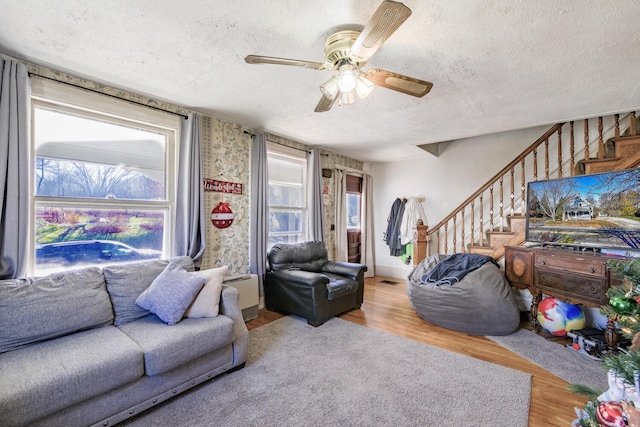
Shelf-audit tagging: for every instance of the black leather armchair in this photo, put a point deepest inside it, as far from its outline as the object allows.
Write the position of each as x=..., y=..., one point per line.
x=303, y=282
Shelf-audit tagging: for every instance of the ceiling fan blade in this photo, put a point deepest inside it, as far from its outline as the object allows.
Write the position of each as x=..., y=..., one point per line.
x=389, y=16
x=398, y=82
x=255, y=59
x=325, y=104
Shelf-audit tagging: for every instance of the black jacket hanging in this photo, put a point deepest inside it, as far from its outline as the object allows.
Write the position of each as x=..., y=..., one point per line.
x=392, y=235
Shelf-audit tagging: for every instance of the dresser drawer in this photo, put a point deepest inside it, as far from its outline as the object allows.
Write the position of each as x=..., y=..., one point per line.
x=577, y=264
x=588, y=288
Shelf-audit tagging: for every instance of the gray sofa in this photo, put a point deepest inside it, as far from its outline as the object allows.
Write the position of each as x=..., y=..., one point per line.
x=75, y=350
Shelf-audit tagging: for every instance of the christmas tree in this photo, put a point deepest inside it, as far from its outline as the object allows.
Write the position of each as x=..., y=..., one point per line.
x=620, y=404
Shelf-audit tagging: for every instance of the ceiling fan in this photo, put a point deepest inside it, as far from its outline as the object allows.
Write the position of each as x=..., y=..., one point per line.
x=347, y=51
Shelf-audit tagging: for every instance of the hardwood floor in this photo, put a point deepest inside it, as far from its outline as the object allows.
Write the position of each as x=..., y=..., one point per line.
x=386, y=308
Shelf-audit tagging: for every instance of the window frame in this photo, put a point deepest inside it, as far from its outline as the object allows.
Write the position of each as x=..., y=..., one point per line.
x=296, y=156
x=71, y=100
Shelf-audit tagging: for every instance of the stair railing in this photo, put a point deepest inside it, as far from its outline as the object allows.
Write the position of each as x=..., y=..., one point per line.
x=490, y=198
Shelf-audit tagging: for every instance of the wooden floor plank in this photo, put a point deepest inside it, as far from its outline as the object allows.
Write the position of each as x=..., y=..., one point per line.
x=386, y=308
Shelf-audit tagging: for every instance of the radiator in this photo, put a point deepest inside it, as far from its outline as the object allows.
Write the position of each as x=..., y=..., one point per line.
x=247, y=284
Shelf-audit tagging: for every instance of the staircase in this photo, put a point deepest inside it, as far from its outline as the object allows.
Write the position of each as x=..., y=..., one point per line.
x=495, y=215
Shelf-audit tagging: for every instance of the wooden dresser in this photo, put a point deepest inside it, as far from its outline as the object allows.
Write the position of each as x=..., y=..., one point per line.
x=576, y=277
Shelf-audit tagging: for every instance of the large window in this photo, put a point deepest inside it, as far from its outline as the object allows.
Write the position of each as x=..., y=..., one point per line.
x=102, y=179
x=288, y=215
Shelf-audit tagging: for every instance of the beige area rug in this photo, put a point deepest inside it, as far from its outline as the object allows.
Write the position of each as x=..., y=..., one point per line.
x=343, y=374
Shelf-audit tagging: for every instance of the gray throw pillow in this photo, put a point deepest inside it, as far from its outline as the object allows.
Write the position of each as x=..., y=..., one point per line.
x=126, y=281
x=171, y=293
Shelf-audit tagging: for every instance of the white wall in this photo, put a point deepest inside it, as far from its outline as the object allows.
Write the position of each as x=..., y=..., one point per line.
x=444, y=181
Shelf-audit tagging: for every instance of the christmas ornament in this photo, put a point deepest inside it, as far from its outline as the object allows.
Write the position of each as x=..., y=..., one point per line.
x=622, y=305
x=611, y=414
x=558, y=317
x=221, y=215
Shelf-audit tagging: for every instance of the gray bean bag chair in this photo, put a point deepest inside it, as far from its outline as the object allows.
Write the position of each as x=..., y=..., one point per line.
x=478, y=301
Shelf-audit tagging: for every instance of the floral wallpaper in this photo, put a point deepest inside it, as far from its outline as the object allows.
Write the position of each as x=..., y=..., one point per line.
x=225, y=153
x=225, y=150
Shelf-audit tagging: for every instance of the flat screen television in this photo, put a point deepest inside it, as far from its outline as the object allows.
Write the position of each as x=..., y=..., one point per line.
x=598, y=211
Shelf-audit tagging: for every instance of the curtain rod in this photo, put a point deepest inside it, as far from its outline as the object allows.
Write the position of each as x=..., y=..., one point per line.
x=109, y=95
x=279, y=143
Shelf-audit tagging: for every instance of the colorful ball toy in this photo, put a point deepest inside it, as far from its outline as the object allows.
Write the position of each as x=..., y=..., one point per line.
x=558, y=317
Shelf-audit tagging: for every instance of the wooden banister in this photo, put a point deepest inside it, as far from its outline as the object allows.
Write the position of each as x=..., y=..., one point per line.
x=496, y=177
x=459, y=229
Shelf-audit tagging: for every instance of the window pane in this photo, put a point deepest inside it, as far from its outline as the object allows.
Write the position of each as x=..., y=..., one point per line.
x=286, y=227
x=74, y=236
x=283, y=195
x=353, y=210
x=82, y=157
x=286, y=182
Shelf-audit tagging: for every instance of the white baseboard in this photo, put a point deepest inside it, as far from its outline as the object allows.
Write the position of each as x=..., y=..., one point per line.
x=396, y=272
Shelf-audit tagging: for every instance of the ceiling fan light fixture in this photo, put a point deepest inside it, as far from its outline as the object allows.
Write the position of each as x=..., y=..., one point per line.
x=347, y=80
x=346, y=98
x=364, y=86
x=330, y=88
x=347, y=51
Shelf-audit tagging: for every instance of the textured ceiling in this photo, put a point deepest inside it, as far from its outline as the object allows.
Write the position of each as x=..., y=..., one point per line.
x=496, y=65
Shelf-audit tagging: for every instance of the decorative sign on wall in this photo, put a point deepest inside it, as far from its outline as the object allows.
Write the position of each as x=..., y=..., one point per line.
x=222, y=186
x=222, y=215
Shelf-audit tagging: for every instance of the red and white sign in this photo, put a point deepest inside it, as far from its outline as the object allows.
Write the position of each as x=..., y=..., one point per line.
x=221, y=215
x=222, y=186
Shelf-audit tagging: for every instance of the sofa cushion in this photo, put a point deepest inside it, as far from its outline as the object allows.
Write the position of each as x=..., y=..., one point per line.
x=171, y=293
x=207, y=302
x=126, y=282
x=166, y=348
x=307, y=256
x=38, y=309
x=45, y=377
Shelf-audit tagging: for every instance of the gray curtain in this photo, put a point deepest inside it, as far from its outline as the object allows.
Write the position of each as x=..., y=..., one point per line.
x=15, y=96
x=259, y=230
x=366, y=228
x=190, y=217
x=316, y=211
x=342, y=250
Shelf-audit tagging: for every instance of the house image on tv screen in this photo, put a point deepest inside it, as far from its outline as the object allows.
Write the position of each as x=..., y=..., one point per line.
x=577, y=209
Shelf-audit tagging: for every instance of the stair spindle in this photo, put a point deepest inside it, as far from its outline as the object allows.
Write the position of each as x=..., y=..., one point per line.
x=633, y=126
x=546, y=158
x=491, y=208
x=481, y=221
x=523, y=182
x=600, y=140
x=455, y=234
x=616, y=118
x=512, y=194
x=446, y=239
x=501, y=204
x=560, y=153
x=472, y=217
x=586, y=139
x=462, y=231
x=572, y=149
